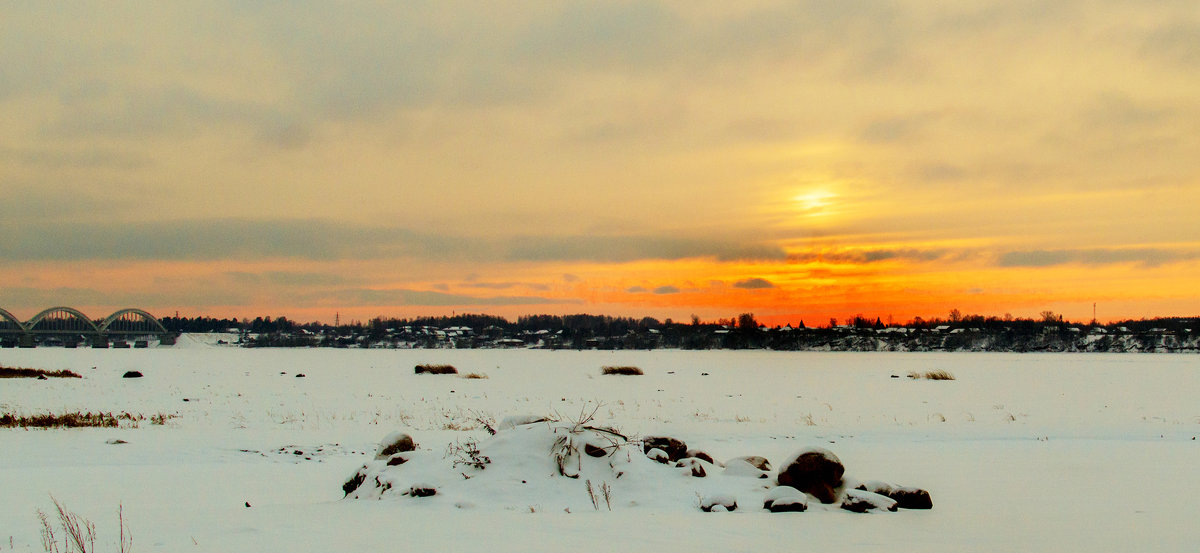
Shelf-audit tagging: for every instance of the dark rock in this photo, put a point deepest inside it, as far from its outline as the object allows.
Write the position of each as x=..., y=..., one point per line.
x=131, y=374
x=724, y=502
x=785, y=499
x=695, y=467
x=815, y=471
x=355, y=481
x=42, y=377
x=696, y=454
x=675, y=449
x=760, y=463
x=422, y=490
x=658, y=455
x=860, y=501
x=116, y=441
x=397, y=460
x=395, y=443
x=906, y=498
x=300, y=375
x=594, y=451
x=247, y=504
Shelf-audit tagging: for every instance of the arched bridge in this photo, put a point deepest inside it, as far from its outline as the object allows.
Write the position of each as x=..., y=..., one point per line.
x=69, y=327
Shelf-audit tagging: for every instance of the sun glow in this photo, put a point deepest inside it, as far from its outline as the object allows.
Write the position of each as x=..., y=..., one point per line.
x=815, y=203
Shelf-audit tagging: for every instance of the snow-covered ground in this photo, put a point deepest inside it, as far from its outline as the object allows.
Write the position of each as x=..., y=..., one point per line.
x=1033, y=452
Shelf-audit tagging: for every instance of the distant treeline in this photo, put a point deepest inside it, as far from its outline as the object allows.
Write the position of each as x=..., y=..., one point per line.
x=954, y=333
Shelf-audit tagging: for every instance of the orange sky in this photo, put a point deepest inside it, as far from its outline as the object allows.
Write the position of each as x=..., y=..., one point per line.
x=797, y=160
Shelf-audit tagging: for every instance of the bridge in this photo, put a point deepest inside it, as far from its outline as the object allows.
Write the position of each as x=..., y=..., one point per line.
x=69, y=327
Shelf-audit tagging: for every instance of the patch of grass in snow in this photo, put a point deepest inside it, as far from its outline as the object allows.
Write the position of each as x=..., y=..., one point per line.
x=435, y=369
x=22, y=372
x=79, y=420
x=624, y=370
x=78, y=534
x=475, y=376
x=939, y=374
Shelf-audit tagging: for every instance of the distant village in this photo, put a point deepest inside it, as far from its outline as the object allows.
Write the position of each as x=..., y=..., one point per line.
x=1050, y=333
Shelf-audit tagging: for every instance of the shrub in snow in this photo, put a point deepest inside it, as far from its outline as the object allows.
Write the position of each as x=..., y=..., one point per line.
x=396, y=442
x=421, y=490
x=814, y=471
x=860, y=501
x=628, y=371
x=906, y=498
x=435, y=369
x=520, y=420
x=675, y=449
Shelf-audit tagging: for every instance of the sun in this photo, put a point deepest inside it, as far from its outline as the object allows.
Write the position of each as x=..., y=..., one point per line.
x=815, y=202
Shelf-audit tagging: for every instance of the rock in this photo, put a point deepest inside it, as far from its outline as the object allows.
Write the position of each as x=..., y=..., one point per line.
x=785, y=499
x=396, y=442
x=905, y=497
x=355, y=481
x=422, y=490
x=396, y=460
x=743, y=468
x=718, y=503
x=697, y=454
x=674, y=448
x=42, y=377
x=116, y=441
x=694, y=467
x=594, y=451
x=860, y=501
x=760, y=463
x=300, y=375
x=814, y=471
x=131, y=374
x=658, y=455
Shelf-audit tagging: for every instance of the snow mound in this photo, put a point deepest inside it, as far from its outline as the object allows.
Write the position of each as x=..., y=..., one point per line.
x=573, y=467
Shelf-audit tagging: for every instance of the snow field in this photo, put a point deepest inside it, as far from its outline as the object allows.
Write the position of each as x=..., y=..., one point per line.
x=1021, y=452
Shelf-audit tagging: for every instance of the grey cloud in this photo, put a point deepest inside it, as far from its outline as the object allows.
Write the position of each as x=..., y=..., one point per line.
x=636, y=290
x=666, y=290
x=1177, y=42
x=211, y=239
x=869, y=256
x=753, y=284
x=1098, y=256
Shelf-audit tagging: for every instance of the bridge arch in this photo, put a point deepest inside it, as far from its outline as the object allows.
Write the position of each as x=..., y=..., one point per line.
x=6, y=318
x=72, y=315
x=134, y=316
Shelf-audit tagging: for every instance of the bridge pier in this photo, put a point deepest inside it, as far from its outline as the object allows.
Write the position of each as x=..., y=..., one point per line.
x=27, y=341
x=167, y=340
x=100, y=342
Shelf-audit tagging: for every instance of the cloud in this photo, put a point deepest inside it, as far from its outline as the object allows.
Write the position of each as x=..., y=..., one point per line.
x=636, y=290
x=861, y=256
x=1097, y=256
x=213, y=239
x=753, y=284
x=666, y=290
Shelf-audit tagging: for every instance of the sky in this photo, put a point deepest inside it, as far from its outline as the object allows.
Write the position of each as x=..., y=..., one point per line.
x=798, y=160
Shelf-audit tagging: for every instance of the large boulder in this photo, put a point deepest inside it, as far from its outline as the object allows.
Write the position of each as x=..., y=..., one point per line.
x=674, y=448
x=396, y=442
x=814, y=471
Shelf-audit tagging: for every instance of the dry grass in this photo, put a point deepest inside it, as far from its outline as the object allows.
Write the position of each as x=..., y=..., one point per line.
x=932, y=375
x=79, y=420
x=475, y=376
x=625, y=370
x=21, y=372
x=78, y=534
x=435, y=369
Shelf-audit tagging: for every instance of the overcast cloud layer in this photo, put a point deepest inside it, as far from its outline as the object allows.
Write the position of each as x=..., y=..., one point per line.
x=817, y=157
